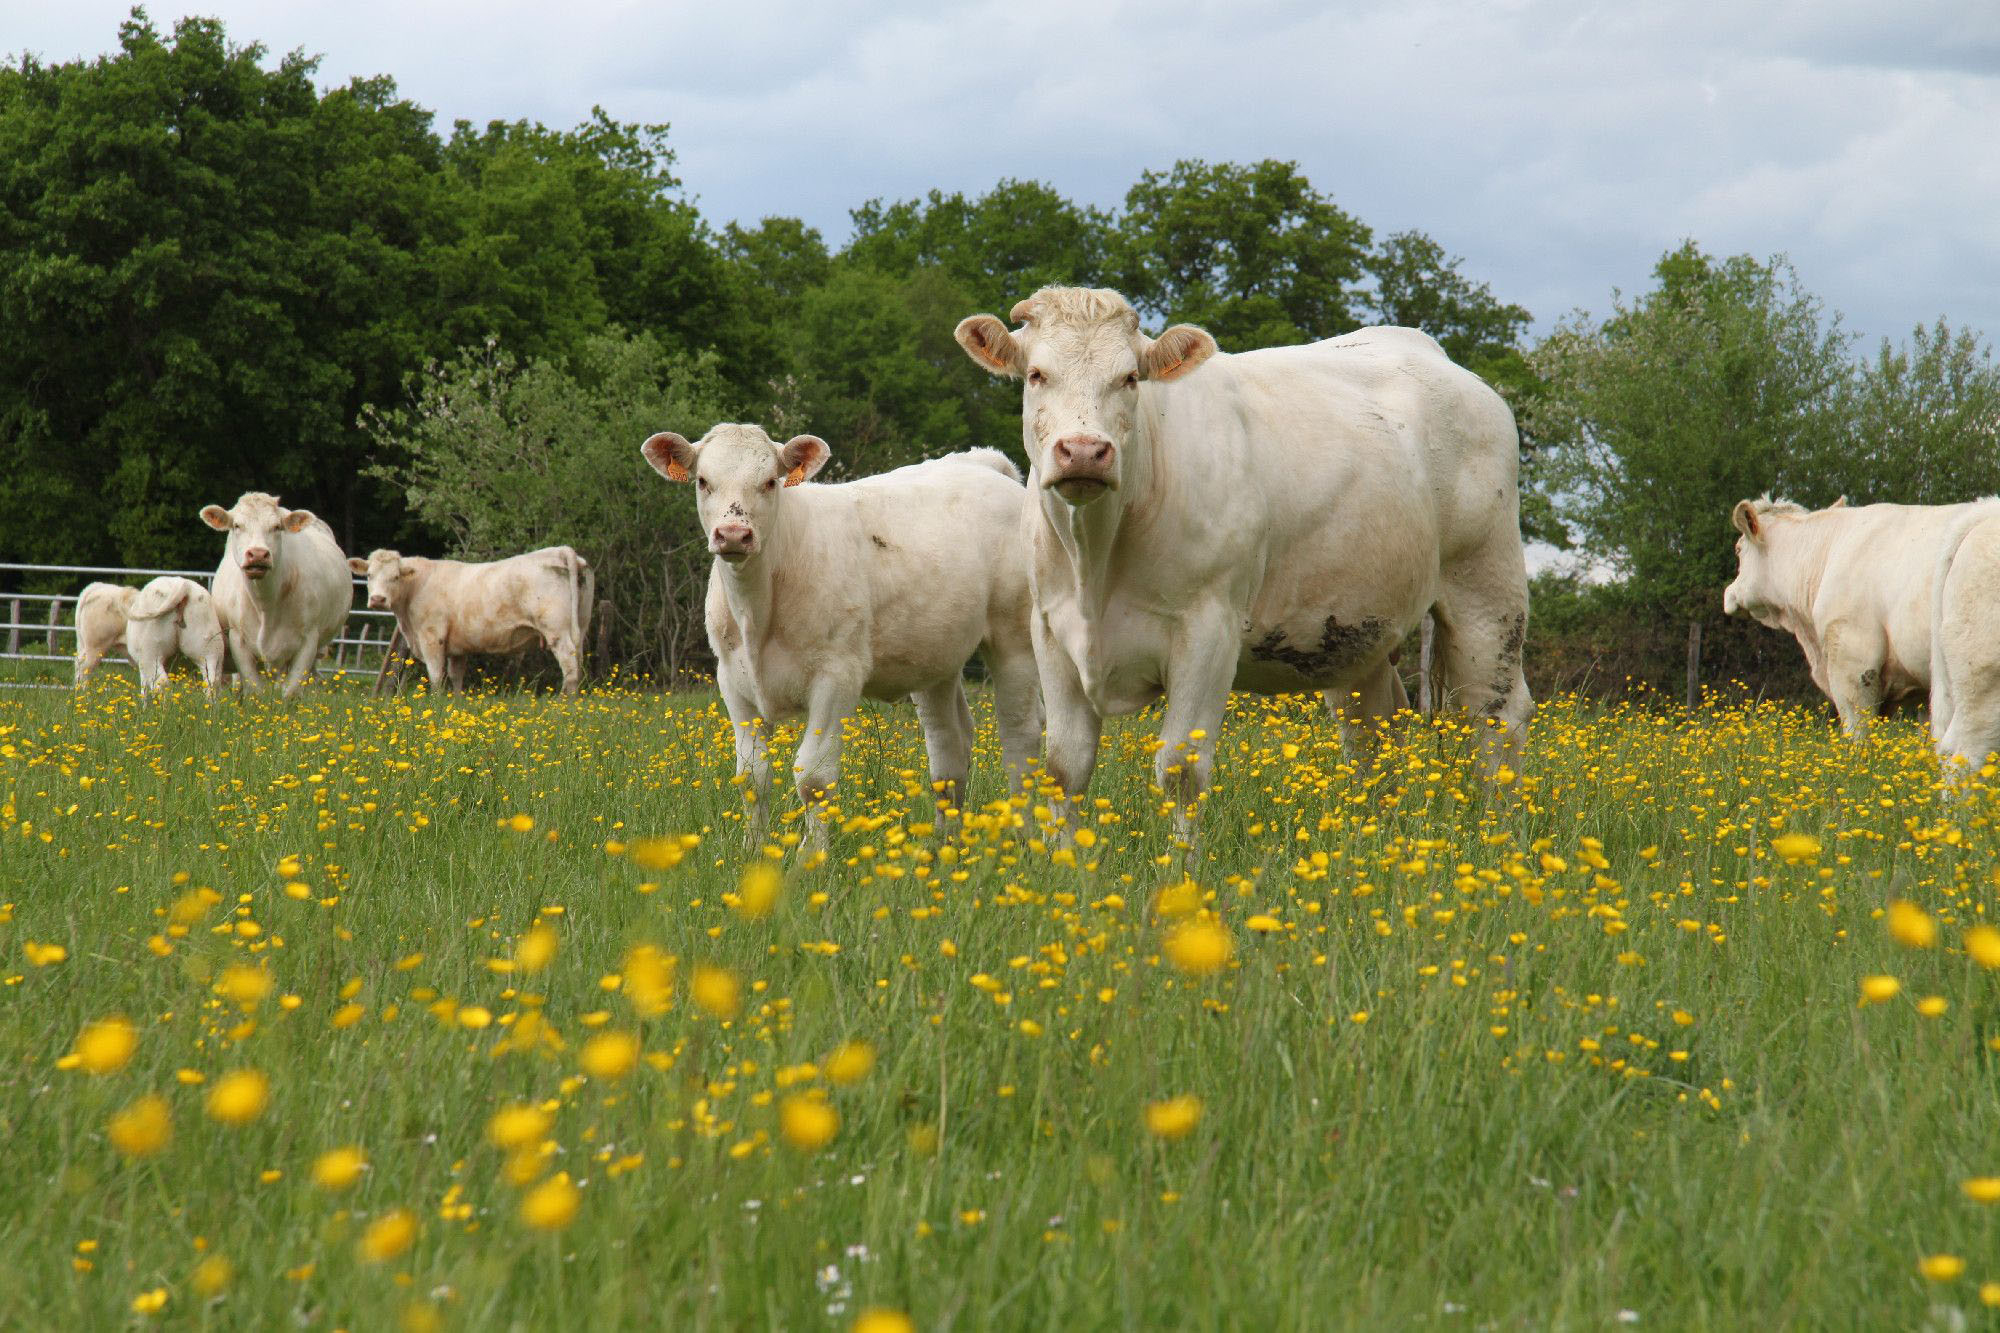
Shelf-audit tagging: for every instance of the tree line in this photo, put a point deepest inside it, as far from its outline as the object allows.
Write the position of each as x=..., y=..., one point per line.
x=215, y=276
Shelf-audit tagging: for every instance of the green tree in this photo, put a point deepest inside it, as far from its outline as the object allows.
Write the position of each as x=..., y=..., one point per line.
x=1718, y=384
x=1922, y=423
x=997, y=248
x=1253, y=253
x=508, y=455
x=1420, y=286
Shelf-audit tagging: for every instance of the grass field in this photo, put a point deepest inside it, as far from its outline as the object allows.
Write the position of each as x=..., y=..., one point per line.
x=1586, y=1048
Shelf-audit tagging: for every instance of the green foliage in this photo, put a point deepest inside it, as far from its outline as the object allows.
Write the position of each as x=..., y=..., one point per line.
x=1718, y=384
x=506, y=456
x=1922, y=423
x=1253, y=253
x=998, y=248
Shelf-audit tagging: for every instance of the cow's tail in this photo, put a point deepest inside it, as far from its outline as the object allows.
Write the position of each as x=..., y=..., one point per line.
x=159, y=598
x=582, y=584
x=1943, y=701
x=994, y=459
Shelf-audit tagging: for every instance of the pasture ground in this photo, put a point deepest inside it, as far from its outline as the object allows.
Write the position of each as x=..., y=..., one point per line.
x=1583, y=1049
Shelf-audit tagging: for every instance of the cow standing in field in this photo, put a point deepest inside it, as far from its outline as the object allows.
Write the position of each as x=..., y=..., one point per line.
x=821, y=595
x=174, y=616
x=282, y=589
x=1274, y=521
x=1887, y=601
x=448, y=609
x=100, y=625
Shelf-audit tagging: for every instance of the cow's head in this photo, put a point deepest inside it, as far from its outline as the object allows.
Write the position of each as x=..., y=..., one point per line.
x=257, y=527
x=1082, y=357
x=387, y=573
x=739, y=473
x=1759, y=589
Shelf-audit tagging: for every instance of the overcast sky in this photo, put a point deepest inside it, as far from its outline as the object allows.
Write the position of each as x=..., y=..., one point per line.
x=1558, y=147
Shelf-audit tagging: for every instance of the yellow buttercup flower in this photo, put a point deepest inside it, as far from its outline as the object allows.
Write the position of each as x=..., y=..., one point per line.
x=716, y=990
x=648, y=980
x=1878, y=989
x=1911, y=925
x=609, y=1055
x=536, y=949
x=1796, y=847
x=1982, y=946
x=757, y=894
x=244, y=986
x=388, y=1236
x=1174, y=1118
x=1941, y=1267
x=806, y=1122
x=239, y=1097
x=518, y=1125
x=150, y=1302
x=338, y=1168
x=551, y=1205
x=143, y=1128
x=1199, y=948
x=521, y=823
x=106, y=1046
x=211, y=1275
x=878, y=1320
x=1982, y=1189
x=850, y=1062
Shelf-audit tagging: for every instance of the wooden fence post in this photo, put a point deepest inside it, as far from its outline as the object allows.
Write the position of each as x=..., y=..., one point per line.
x=602, y=649
x=14, y=626
x=1694, y=663
x=390, y=676
x=55, y=619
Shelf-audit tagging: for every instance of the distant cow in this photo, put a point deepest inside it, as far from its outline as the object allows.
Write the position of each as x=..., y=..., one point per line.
x=174, y=616
x=100, y=624
x=882, y=587
x=282, y=589
x=1273, y=521
x=1887, y=601
x=448, y=609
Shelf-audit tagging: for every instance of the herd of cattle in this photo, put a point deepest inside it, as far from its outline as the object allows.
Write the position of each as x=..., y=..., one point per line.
x=1193, y=522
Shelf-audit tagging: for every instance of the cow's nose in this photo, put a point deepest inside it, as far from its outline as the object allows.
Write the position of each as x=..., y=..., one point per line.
x=376, y=603
x=732, y=537
x=1083, y=453
x=257, y=555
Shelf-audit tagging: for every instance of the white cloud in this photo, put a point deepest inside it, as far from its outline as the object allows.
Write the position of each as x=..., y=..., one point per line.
x=1560, y=147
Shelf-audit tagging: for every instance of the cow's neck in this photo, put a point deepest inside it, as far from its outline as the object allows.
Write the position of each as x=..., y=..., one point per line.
x=1805, y=571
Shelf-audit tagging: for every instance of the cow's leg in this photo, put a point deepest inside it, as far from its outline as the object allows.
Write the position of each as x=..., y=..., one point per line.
x=947, y=723
x=246, y=663
x=1361, y=712
x=1482, y=626
x=432, y=652
x=86, y=662
x=302, y=665
x=1017, y=709
x=816, y=767
x=211, y=668
x=455, y=665
x=1073, y=724
x=1200, y=667
x=567, y=657
x=753, y=756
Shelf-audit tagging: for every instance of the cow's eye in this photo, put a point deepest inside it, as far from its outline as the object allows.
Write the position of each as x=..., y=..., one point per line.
x=1037, y=378
x=1132, y=380
x=701, y=483
x=771, y=484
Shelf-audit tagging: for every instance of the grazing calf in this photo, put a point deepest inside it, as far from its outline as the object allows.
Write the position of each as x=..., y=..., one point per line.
x=282, y=589
x=821, y=595
x=174, y=616
x=1272, y=521
x=100, y=624
x=448, y=609
x=1887, y=601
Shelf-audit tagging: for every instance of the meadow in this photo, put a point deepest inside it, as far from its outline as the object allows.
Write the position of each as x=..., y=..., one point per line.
x=376, y=1013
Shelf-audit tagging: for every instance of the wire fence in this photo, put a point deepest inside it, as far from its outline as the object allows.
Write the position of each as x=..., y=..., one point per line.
x=40, y=627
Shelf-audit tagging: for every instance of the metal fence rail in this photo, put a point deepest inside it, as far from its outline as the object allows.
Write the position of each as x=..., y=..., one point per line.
x=364, y=641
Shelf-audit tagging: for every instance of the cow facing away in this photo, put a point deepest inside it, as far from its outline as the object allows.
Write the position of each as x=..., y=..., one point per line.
x=174, y=616
x=1886, y=601
x=883, y=587
x=100, y=625
x=449, y=609
x=1275, y=521
x=282, y=589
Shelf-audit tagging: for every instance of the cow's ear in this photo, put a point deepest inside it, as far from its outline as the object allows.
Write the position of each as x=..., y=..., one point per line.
x=803, y=456
x=216, y=517
x=671, y=455
x=1175, y=352
x=295, y=520
x=1841, y=503
x=986, y=340
x=1744, y=516
x=357, y=566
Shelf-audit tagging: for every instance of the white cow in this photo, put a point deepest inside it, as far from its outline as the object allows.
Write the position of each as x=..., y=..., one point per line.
x=169, y=616
x=100, y=624
x=282, y=589
x=881, y=587
x=448, y=609
x=1887, y=601
x=1276, y=521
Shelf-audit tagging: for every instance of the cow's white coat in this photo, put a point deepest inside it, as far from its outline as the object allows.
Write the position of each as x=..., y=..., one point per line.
x=172, y=616
x=100, y=624
x=448, y=609
x=282, y=589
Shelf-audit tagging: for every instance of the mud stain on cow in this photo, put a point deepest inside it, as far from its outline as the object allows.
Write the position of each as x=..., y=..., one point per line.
x=880, y=544
x=1507, y=665
x=1339, y=646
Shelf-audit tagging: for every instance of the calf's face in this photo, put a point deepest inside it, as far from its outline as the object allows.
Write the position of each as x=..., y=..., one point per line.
x=1081, y=358
x=1754, y=592
x=257, y=527
x=386, y=574
x=739, y=475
